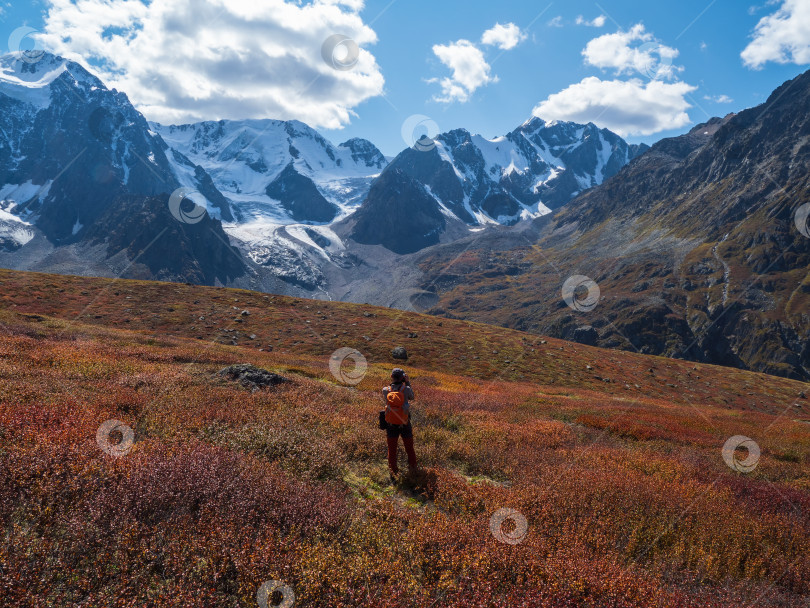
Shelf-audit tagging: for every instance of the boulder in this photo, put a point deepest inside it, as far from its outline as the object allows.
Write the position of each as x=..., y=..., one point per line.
x=399, y=353
x=586, y=334
x=250, y=376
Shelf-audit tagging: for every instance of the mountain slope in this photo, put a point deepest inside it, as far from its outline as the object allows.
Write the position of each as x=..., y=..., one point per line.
x=399, y=214
x=164, y=249
x=220, y=488
x=693, y=246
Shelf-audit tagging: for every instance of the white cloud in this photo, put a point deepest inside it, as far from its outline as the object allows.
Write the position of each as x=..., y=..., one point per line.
x=187, y=60
x=718, y=98
x=783, y=37
x=556, y=22
x=596, y=22
x=503, y=36
x=469, y=67
x=635, y=50
x=469, y=70
x=626, y=107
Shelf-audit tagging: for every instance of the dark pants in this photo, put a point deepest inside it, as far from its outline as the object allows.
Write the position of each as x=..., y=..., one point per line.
x=393, y=433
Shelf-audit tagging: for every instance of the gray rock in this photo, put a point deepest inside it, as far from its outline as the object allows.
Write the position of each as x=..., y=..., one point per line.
x=399, y=353
x=250, y=376
x=586, y=334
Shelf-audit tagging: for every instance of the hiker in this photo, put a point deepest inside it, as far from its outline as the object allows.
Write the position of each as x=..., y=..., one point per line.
x=397, y=397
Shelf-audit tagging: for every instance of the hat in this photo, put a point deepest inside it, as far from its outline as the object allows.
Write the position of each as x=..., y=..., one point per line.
x=397, y=372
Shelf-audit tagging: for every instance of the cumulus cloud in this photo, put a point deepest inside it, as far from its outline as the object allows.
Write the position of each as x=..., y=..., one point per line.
x=469, y=70
x=782, y=37
x=628, y=107
x=718, y=98
x=188, y=60
x=503, y=36
x=468, y=66
x=596, y=22
x=556, y=21
x=634, y=50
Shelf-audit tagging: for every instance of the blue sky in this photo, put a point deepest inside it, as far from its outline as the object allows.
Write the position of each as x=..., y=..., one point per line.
x=407, y=54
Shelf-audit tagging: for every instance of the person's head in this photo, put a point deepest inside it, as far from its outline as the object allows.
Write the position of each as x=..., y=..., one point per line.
x=397, y=375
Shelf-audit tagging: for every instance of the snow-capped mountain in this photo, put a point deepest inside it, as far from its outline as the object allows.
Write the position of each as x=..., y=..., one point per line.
x=285, y=184
x=79, y=166
x=556, y=160
x=535, y=168
x=83, y=182
x=522, y=175
x=69, y=147
x=277, y=171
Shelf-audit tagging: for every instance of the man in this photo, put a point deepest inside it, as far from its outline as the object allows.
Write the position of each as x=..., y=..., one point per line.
x=397, y=397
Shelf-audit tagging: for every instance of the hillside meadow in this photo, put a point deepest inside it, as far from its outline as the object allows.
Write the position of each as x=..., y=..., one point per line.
x=606, y=465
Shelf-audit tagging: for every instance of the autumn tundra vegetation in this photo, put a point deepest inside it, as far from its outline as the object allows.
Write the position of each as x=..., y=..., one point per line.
x=610, y=463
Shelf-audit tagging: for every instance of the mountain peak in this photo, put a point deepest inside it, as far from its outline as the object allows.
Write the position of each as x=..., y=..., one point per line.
x=534, y=122
x=35, y=74
x=711, y=126
x=790, y=90
x=42, y=69
x=30, y=81
x=33, y=64
x=364, y=150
